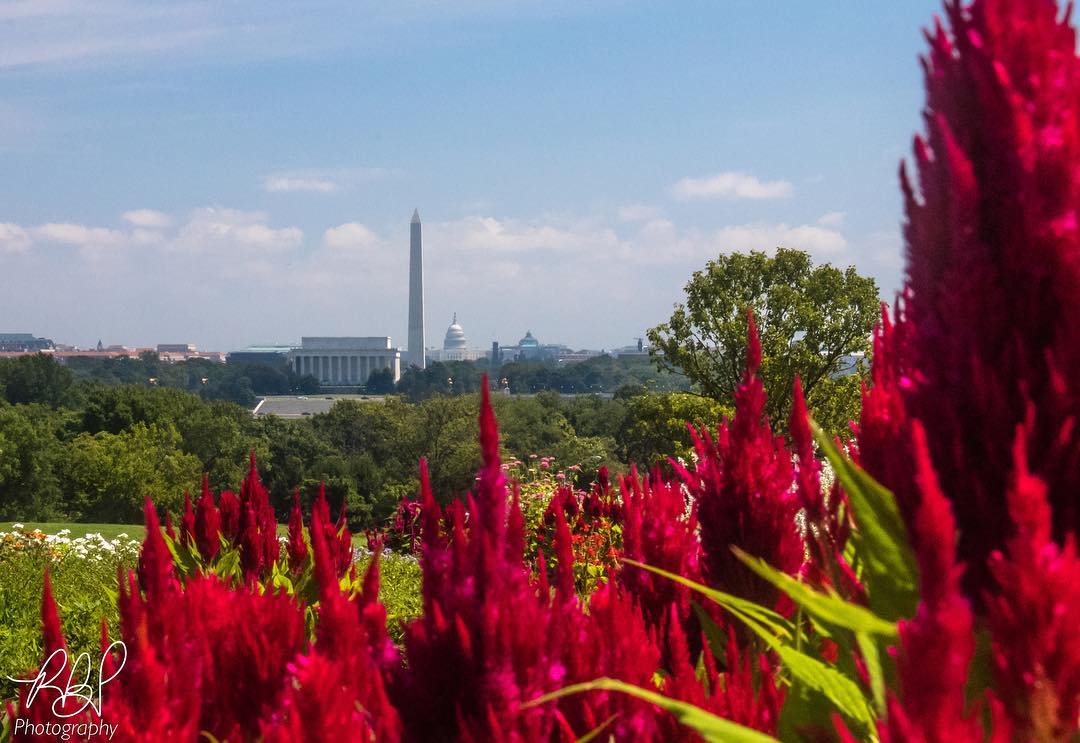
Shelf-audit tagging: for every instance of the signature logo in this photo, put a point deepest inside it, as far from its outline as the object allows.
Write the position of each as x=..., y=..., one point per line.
x=75, y=693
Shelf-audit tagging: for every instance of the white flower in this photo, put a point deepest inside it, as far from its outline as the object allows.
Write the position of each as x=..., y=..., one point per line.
x=18, y=526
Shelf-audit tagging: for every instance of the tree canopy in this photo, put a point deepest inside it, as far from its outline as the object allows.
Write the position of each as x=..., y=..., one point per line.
x=811, y=319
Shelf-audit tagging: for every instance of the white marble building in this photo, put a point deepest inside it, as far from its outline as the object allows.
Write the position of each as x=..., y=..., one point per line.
x=345, y=361
x=456, y=346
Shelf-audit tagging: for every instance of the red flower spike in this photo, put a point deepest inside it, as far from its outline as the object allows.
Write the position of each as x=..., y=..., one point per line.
x=155, y=561
x=296, y=547
x=931, y=707
x=187, y=524
x=207, y=526
x=987, y=323
x=1035, y=615
x=229, y=511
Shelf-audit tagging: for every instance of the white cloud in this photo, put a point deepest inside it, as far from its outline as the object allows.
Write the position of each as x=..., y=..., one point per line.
x=286, y=184
x=819, y=241
x=489, y=235
x=730, y=184
x=13, y=238
x=832, y=219
x=80, y=236
x=351, y=235
x=147, y=218
x=639, y=213
x=214, y=229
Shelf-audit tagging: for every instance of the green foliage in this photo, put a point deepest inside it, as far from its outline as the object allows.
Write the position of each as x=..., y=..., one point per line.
x=109, y=475
x=655, y=425
x=31, y=456
x=399, y=590
x=35, y=378
x=440, y=378
x=809, y=318
x=85, y=590
x=602, y=374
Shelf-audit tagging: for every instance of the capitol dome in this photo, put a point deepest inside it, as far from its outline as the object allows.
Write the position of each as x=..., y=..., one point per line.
x=455, y=336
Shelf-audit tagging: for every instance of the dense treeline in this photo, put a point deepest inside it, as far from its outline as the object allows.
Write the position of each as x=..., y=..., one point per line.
x=78, y=448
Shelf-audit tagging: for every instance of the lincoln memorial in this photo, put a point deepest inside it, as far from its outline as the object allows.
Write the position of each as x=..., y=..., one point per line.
x=345, y=361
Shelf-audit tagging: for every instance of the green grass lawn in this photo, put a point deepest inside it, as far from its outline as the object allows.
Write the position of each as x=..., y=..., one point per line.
x=110, y=531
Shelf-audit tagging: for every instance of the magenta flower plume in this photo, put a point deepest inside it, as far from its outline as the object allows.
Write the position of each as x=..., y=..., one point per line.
x=253, y=495
x=742, y=484
x=155, y=561
x=660, y=530
x=987, y=325
x=296, y=546
x=1035, y=615
x=187, y=523
x=251, y=553
x=207, y=524
x=229, y=512
x=931, y=706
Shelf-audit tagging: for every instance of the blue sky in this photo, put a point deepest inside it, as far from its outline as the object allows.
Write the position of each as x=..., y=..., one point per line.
x=242, y=172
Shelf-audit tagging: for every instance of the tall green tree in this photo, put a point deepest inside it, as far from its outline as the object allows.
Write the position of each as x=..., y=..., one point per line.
x=810, y=319
x=109, y=475
x=35, y=378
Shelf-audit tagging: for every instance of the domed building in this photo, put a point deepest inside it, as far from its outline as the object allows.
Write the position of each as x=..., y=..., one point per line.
x=456, y=346
x=455, y=337
x=528, y=347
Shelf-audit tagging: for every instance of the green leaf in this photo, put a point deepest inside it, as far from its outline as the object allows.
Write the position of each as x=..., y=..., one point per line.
x=714, y=636
x=710, y=727
x=868, y=648
x=739, y=607
x=835, y=686
x=828, y=608
x=780, y=636
x=228, y=564
x=880, y=537
x=592, y=734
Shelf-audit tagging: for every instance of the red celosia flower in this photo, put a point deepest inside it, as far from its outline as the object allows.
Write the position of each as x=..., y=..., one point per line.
x=207, y=524
x=931, y=706
x=660, y=530
x=187, y=523
x=229, y=513
x=742, y=484
x=296, y=546
x=339, y=692
x=250, y=544
x=253, y=494
x=489, y=640
x=1035, y=615
x=987, y=325
x=156, y=575
x=746, y=692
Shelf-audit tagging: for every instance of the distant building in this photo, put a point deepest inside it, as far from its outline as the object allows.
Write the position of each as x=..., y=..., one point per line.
x=456, y=346
x=640, y=351
x=568, y=356
x=270, y=355
x=13, y=342
x=176, y=348
x=528, y=348
x=345, y=361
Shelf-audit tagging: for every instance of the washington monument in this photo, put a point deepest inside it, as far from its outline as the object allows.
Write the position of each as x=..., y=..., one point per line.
x=416, y=355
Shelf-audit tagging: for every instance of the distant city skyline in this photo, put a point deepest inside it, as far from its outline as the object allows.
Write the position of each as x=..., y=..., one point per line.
x=242, y=173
